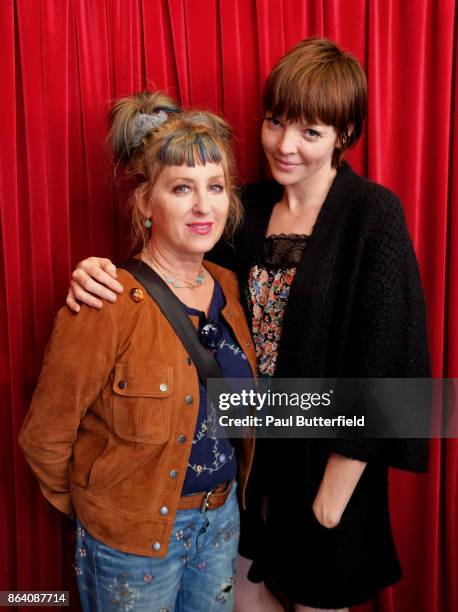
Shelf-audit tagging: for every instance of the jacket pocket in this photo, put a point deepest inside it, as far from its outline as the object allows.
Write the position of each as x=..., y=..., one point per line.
x=142, y=403
x=88, y=449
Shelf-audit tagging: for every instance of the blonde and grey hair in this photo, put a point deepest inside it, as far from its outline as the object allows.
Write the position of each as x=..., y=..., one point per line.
x=149, y=132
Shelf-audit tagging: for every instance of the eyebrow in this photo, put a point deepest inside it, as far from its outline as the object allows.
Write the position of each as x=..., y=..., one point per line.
x=191, y=180
x=303, y=121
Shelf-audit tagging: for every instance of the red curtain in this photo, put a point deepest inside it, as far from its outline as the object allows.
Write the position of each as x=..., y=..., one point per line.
x=63, y=61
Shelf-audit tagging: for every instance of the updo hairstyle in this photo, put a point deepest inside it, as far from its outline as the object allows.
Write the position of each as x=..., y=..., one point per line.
x=148, y=132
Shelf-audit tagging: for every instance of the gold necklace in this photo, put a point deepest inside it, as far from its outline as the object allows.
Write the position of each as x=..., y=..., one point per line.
x=166, y=274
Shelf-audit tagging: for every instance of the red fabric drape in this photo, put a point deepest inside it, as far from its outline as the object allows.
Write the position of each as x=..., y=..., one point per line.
x=63, y=61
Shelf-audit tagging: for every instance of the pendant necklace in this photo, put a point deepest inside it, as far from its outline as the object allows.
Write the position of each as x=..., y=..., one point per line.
x=175, y=280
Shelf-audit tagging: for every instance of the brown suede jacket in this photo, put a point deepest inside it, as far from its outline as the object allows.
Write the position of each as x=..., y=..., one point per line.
x=111, y=424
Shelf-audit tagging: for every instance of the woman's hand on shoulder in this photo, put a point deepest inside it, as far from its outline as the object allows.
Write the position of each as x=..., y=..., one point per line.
x=93, y=278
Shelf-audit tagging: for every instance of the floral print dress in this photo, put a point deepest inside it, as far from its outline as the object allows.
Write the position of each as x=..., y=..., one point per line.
x=269, y=283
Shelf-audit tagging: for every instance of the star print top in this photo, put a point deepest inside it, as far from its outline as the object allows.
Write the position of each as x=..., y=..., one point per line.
x=212, y=460
x=269, y=284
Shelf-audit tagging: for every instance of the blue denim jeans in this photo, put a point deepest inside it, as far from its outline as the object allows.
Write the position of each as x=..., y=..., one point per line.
x=198, y=572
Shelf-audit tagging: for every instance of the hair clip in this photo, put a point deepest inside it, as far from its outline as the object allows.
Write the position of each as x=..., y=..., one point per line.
x=145, y=122
x=198, y=118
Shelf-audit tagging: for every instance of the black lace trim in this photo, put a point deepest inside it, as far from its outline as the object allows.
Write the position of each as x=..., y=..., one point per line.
x=283, y=249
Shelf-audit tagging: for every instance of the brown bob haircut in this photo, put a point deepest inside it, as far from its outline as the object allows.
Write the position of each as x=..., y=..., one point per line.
x=317, y=82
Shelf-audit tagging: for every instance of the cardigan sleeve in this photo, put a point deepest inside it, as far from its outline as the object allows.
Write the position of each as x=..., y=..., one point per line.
x=78, y=360
x=389, y=329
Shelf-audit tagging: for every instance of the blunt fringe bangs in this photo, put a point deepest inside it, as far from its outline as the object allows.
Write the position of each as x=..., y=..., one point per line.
x=317, y=82
x=190, y=148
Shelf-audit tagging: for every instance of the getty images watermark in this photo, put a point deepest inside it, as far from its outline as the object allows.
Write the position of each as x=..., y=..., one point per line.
x=268, y=400
x=348, y=408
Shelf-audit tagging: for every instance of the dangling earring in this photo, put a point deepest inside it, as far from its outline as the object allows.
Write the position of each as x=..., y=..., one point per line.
x=147, y=223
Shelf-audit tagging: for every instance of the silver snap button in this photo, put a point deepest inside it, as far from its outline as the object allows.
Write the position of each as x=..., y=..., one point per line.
x=164, y=510
x=181, y=438
x=173, y=473
x=156, y=546
x=189, y=399
x=163, y=387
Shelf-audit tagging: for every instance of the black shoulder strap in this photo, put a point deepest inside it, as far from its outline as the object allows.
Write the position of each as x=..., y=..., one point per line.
x=172, y=309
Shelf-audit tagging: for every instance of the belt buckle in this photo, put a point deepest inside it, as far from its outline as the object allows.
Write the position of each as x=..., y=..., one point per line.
x=205, y=502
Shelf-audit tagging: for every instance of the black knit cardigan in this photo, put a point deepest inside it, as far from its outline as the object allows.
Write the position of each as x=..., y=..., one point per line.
x=355, y=309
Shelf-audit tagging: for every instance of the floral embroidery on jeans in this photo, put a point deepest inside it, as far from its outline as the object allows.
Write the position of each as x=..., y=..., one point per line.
x=223, y=535
x=123, y=596
x=185, y=534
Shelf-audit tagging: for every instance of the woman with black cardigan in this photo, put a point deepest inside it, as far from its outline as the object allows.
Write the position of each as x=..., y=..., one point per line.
x=332, y=290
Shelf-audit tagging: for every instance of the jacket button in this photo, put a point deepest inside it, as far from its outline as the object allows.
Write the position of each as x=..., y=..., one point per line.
x=136, y=294
x=189, y=399
x=157, y=546
x=163, y=387
x=188, y=360
x=181, y=438
x=164, y=510
x=122, y=384
x=173, y=473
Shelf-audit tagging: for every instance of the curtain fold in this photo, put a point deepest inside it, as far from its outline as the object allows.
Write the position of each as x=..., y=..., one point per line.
x=64, y=61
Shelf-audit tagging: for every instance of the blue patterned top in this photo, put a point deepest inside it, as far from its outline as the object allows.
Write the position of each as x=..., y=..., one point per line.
x=212, y=459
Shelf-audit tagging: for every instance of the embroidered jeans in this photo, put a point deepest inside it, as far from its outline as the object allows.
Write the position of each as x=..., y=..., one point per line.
x=198, y=573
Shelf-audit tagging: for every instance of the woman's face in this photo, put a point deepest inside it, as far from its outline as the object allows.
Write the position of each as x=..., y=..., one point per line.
x=188, y=209
x=297, y=151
